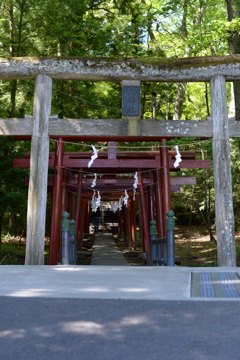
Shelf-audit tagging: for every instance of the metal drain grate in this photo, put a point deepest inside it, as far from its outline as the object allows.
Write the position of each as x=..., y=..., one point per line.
x=215, y=284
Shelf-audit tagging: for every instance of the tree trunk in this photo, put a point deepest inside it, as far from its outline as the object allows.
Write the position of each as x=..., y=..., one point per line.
x=178, y=103
x=212, y=238
x=15, y=46
x=181, y=87
x=206, y=97
x=12, y=53
x=154, y=106
x=233, y=7
x=14, y=84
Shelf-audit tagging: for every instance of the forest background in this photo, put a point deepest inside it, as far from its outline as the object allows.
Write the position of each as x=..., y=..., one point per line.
x=118, y=28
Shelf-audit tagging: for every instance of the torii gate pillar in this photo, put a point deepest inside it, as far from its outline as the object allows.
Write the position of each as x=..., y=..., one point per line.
x=37, y=191
x=222, y=174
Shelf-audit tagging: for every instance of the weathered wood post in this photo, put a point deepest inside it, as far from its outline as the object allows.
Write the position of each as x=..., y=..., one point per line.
x=37, y=191
x=222, y=174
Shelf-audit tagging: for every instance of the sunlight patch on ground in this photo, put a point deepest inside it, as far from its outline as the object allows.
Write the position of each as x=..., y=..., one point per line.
x=134, y=320
x=96, y=289
x=207, y=250
x=30, y=293
x=105, y=289
x=192, y=240
x=83, y=327
x=67, y=268
x=42, y=331
x=134, y=290
x=13, y=334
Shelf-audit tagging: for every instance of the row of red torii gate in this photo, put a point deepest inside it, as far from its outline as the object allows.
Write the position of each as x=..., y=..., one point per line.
x=111, y=175
x=40, y=128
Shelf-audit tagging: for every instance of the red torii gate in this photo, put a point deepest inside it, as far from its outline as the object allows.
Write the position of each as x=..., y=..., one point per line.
x=153, y=169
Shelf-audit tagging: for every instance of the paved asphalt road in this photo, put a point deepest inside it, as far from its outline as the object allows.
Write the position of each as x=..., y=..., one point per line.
x=96, y=329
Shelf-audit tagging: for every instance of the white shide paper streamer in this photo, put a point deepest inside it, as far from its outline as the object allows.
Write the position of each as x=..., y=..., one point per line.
x=93, y=157
x=94, y=181
x=125, y=200
x=135, y=184
x=177, y=157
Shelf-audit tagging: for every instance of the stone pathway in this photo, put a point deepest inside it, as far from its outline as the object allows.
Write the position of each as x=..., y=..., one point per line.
x=105, y=251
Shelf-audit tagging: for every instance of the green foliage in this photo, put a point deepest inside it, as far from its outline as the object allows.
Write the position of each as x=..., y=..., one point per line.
x=128, y=28
x=13, y=192
x=13, y=253
x=77, y=99
x=235, y=163
x=238, y=250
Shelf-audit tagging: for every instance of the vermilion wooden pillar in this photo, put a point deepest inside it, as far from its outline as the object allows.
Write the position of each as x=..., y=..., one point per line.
x=158, y=202
x=70, y=203
x=151, y=198
x=120, y=225
x=133, y=223
x=81, y=224
x=145, y=223
x=165, y=177
x=78, y=204
x=125, y=229
x=128, y=225
x=87, y=217
x=140, y=225
x=56, y=204
x=72, y=199
x=145, y=190
x=65, y=195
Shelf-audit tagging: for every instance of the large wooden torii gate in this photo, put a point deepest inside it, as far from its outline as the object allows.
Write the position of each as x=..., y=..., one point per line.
x=216, y=70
